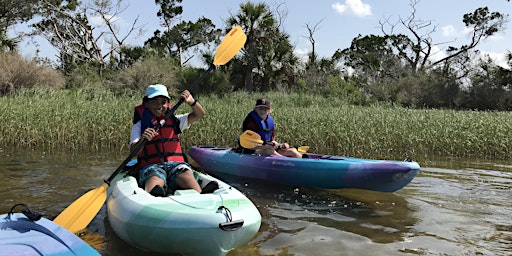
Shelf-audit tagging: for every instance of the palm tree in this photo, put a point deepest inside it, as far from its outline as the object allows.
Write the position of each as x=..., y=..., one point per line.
x=268, y=60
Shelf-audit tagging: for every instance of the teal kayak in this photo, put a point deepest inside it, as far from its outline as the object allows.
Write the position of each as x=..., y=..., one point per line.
x=28, y=234
x=316, y=171
x=186, y=222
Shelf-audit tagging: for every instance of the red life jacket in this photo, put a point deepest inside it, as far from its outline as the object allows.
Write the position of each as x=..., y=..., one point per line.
x=165, y=147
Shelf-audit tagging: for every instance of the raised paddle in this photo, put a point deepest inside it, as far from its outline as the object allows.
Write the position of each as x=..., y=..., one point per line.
x=80, y=213
x=251, y=139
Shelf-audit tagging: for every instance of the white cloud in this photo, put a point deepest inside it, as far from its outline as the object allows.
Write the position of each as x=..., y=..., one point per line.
x=355, y=7
x=448, y=31
x=302, y=53
x=98, y=21
x=467, y=31
x=496, y=37
x=451, y=31
x=437, y=54
x=499, y=58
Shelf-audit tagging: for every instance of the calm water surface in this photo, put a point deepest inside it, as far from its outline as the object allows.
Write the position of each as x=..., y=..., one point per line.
x=453, y=207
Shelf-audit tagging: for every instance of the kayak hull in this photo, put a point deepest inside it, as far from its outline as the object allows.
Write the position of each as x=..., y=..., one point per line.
x=317, y=171
x=186, y=222
x=21, y=236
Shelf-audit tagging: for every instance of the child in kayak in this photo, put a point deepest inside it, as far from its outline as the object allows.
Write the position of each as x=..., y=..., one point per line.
x=161, y=159
x=260, y=121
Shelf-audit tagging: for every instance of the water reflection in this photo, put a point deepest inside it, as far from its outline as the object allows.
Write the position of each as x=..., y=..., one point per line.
x=300, y=221
x=451, y=208
x=94, y=239
x=471, y=206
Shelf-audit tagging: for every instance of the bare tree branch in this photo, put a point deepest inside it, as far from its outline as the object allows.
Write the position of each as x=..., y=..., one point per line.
x=310, y=37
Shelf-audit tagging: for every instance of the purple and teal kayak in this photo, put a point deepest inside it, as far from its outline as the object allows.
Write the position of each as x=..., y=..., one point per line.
x=317, y=171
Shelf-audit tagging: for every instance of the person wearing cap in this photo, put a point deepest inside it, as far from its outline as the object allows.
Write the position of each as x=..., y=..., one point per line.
x=260, y=121
x=161, y=160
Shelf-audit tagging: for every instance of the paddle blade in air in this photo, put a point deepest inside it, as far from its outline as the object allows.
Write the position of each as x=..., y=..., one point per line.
x=230, y=46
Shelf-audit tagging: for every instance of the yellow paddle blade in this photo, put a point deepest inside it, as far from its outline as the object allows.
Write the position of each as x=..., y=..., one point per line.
x=80, y=213
x=232, y=43
x=250, y=139
x=303, y=149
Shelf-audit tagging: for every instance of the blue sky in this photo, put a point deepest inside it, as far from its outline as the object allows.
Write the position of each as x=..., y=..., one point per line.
x=338, y=22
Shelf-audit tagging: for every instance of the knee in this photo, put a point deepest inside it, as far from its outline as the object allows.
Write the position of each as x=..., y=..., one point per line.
x=152, y=182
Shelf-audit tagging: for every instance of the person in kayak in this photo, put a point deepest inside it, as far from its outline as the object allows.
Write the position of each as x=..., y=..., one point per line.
x=260, y=121
x=161, y=161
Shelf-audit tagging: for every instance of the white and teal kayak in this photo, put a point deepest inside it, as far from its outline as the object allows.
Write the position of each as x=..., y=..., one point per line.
x=186, y=222
x=26, y=234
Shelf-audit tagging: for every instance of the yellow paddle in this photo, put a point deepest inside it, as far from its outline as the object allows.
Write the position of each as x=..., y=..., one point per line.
x=303, y=149
x=251, y=139
x=80, y=213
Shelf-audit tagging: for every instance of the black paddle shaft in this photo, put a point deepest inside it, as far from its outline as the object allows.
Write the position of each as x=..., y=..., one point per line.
x=168, y=114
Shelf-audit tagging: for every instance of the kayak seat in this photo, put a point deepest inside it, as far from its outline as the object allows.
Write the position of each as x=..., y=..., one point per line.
x=180, y=192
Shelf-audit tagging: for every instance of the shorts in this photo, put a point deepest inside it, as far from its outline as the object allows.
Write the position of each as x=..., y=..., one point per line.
x=158, y=170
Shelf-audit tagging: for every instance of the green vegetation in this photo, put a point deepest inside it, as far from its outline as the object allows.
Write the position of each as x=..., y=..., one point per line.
x=400, y=69
x=80, y=119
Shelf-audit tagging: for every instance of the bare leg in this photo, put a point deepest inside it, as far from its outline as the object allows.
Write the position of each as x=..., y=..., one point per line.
x=152, y=182
x=267, y=151
x=186, y=180
x=291, y=152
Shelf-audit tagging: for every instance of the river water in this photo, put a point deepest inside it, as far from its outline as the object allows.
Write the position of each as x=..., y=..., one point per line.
x=453, y=207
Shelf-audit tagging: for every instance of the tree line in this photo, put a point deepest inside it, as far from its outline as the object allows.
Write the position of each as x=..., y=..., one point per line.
x=398, y=68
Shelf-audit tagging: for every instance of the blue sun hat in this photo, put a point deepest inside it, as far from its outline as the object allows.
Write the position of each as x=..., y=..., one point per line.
x=157, y=90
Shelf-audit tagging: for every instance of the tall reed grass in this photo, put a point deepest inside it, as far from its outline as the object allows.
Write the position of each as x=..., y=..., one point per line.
x=93, y=120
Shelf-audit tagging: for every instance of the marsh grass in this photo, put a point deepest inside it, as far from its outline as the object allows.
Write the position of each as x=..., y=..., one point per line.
x=98, y=120
x=65, y=119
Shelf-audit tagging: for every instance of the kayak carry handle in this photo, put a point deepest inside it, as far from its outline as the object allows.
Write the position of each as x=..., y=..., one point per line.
x=231, y=225
x=31, y=215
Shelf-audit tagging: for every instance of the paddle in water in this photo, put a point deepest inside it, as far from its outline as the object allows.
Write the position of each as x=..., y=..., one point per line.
x=80, y=213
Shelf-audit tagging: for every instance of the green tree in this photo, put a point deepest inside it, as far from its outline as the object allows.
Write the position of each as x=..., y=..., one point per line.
x=13, y=12
x=491, y=87
x=182, y=37
x=372, y=56
x=268, y=61
x=417, y=48
x=67, y=27
x=373, y=63
x=482, y=24
x=382, y=64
